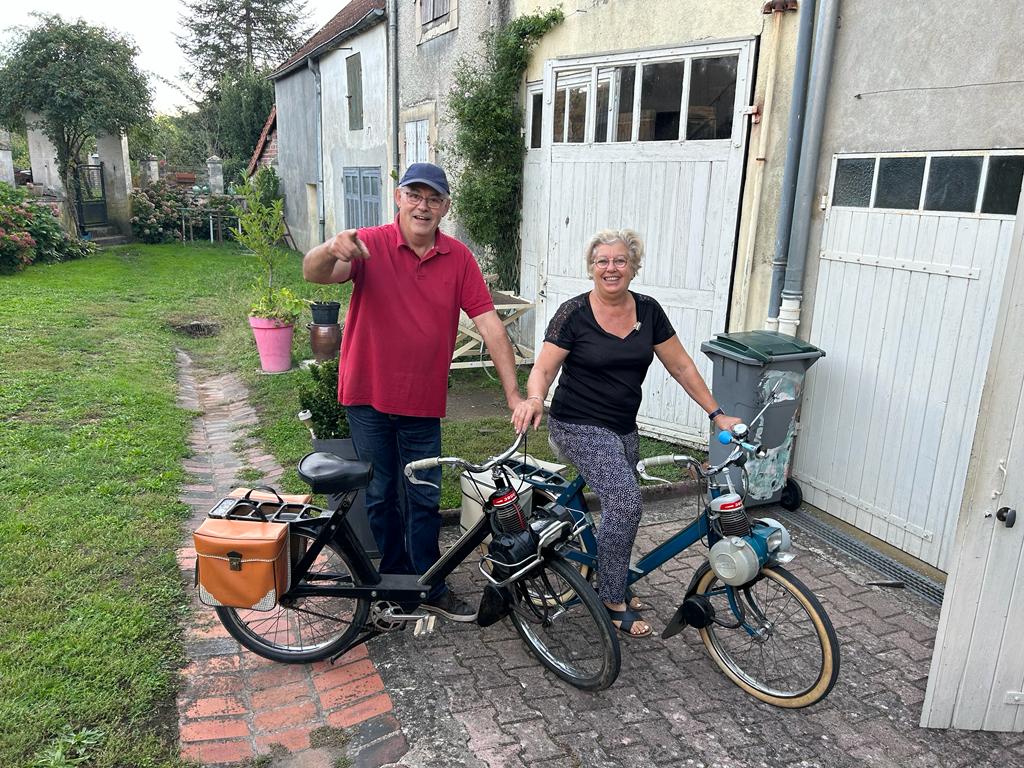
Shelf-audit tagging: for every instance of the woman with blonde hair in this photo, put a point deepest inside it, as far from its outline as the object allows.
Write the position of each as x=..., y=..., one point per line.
x=604, y=341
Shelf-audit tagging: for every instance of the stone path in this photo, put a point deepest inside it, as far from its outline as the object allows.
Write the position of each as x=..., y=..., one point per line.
x=233, y=705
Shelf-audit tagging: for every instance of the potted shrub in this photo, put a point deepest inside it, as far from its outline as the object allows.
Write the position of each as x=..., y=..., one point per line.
x=274, y=310
x=318, y=394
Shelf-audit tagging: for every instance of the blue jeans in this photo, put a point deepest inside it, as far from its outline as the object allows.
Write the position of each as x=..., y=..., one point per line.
x=406, y=534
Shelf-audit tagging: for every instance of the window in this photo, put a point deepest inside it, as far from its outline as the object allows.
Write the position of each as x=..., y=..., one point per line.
x=433, y=10
x=661, y=94
x=435, y=18
x=416, y=147
x=354, y=70
x=680, y=99
x=362, y=197
x=536, y=119
x=712, y=98
x=962, y=182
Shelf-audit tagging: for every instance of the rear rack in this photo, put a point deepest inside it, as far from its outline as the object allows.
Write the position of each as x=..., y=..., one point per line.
x=273, y=511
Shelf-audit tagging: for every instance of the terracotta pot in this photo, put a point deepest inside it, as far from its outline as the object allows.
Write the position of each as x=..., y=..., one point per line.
x=325, y=341
x=274, y=343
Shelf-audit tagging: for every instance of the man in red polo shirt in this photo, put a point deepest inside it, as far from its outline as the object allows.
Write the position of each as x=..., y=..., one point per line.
x=410, y=282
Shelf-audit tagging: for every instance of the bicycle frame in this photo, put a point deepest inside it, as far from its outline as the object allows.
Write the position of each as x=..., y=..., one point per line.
x=571, y=497
x=400, y=588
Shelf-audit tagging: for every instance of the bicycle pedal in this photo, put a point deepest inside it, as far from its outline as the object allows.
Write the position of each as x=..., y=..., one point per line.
x=425, y=626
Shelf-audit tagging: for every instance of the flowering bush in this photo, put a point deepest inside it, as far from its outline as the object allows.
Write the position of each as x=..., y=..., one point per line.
x=30, y=232
x=156, y=212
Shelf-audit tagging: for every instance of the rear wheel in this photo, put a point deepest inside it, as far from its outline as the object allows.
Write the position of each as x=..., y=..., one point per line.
x=562, y=620
x=305, y=629
x=784, y=651
x=792, y=497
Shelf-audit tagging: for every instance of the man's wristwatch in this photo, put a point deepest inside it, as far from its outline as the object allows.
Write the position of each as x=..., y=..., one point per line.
x=715, y=413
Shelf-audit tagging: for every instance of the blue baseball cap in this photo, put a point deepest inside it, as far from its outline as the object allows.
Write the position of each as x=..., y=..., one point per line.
x=425, y=173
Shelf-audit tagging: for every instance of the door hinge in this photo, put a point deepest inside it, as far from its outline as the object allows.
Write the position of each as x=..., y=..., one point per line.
x=754, y=110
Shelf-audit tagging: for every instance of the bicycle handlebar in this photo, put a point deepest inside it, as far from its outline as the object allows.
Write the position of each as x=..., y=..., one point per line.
x=454, y=461
x=725, y=437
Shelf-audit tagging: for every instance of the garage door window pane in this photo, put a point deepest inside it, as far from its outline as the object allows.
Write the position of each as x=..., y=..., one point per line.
x=953, y=184
x=712, y=98
x=536, y=119
x=625, y=81
x=660, y=98
x=576, y=130
x=558, y=129
x=601, y=114
x=1002, y=187
x=899, y=182
x=853, y=182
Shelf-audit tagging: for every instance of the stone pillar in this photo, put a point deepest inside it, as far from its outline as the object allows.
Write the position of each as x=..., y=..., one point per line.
x=215, y=169
x=149, y=171
x=43, y=156
x=117, y=180
x=6, y=158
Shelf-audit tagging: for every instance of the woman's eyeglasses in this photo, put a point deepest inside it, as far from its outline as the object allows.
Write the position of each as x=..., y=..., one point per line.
x=604, y=263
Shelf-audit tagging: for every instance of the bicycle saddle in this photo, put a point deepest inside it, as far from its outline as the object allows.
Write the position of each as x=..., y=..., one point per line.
x=327, y=473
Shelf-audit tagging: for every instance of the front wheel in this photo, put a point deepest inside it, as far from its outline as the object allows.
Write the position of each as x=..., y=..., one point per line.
x=305, y=629
x=771, y=637
x=565, y=624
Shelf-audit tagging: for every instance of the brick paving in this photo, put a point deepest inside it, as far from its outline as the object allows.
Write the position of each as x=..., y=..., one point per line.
x=472, y=697
x=234, y=706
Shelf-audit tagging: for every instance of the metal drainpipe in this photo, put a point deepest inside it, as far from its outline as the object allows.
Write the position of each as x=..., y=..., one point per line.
x=314, y=67
x=762, y=145
x=817, y=98
x=396, y=156
x=789, y=174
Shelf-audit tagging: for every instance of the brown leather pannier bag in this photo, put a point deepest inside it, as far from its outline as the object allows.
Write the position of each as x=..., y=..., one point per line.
x=242, y=563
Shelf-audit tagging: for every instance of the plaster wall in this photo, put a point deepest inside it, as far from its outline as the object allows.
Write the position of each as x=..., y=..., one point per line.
x=919, y=77
x=43, y=156
x=6, y=158
x=297, y=165
x=593, y=27
x=117, y=180
x=426, y=62
x=345, y=148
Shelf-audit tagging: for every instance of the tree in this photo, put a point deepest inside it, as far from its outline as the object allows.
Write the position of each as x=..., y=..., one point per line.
x=244, y=103
x=80, y=80
x=233, y=36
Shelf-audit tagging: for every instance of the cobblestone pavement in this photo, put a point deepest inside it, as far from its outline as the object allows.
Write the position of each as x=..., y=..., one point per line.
x=234, y=706
x=467, y=696
x=473, y=697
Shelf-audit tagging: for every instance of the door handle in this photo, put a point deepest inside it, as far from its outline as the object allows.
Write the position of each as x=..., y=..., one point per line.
x=1006, y=516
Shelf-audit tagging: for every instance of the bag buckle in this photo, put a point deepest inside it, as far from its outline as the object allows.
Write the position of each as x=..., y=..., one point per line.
x=235, y=561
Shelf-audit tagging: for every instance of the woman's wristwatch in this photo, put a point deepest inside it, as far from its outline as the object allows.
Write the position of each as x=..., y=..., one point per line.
x=715, y=414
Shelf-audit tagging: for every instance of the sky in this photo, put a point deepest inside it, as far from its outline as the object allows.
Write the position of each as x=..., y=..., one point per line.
x=153, y=26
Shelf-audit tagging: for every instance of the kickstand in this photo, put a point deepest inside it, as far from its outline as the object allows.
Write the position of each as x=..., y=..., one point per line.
x=371, y=633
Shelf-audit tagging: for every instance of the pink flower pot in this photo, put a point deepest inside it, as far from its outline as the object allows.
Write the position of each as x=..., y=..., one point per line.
x=274, y=342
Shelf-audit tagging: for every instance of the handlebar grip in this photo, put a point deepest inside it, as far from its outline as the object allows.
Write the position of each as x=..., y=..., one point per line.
x=430, y=463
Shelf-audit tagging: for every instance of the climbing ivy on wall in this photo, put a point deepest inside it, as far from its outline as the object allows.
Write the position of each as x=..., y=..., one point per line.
x=486, y=153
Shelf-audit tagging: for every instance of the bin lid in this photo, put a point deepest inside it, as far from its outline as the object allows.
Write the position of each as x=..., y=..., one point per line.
x=760, y=347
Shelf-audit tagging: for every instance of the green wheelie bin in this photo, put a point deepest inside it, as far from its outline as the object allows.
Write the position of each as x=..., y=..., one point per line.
x=751, y=368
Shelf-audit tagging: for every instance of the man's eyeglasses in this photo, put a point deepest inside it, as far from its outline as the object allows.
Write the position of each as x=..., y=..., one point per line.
x=433, y=202
x=604, y=263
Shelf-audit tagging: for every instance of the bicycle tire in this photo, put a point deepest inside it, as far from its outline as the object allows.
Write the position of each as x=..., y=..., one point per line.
x=574, y=637
x=776, y=600
x=289, y=632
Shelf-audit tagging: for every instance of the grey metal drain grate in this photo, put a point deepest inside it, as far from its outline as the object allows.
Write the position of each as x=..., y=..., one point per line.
x=920, y=585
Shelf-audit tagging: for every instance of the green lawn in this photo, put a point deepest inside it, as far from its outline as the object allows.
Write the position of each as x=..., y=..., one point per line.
x=90, y=466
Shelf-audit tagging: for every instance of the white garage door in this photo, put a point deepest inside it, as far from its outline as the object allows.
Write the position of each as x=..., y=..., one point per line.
x=913, y=252
x=653, y=141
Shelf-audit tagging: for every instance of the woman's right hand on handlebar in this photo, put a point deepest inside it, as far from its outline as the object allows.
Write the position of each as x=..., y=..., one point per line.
x=527, y=413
